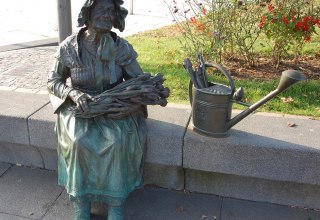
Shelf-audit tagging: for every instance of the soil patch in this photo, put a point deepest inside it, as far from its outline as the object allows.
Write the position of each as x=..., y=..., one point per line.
x=265, y=70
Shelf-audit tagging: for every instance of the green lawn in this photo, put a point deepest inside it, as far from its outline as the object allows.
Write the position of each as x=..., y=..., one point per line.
x=161, y=53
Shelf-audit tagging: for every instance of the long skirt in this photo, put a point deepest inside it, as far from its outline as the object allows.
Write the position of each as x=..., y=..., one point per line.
x=100, y=157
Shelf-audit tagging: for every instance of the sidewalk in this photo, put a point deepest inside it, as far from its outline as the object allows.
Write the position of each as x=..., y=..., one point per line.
x=29, y=193
x=36, y=20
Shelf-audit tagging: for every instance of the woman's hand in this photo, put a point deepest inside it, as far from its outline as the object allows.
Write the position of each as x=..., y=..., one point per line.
x=80, y=99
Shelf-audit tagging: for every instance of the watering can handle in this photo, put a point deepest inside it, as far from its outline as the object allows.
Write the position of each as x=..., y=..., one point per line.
x=222, y=70
x=225, y=72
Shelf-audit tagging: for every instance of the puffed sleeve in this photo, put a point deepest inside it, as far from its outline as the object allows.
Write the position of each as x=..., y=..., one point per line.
x=58, y=90
x=126, y=57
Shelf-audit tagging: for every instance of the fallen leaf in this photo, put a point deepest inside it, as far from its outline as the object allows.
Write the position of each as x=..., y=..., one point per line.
x=180, y=209
x=31, y=213
x=287, y=99
x=292, y=124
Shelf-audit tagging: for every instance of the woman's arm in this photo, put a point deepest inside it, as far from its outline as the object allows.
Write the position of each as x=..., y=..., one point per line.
x=56, y=84
x=59, y=91
x=57, y=78
x=132, y=70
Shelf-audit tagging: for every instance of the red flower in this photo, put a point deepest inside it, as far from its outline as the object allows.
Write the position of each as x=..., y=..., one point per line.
x=193, y=20
x=316, y=21
x=262, y=21
x=298, y=26
x=270, y=7
x=285, y=20
x=307, y=38
x=204, y=11
x=306, y=19
x=301, y=25
x=200, y=27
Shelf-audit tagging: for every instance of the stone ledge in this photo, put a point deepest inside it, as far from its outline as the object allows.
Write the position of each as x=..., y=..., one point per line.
x=15, y=108
x=30, y=44
x=28, y=121
x=166, y=128
x=254, y=189
x=260, y=146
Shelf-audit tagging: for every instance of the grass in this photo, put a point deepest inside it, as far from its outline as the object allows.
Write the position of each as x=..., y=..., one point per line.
x=161, y=52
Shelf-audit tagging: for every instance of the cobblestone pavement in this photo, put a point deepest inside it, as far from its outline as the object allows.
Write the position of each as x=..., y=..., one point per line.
x=26, y=68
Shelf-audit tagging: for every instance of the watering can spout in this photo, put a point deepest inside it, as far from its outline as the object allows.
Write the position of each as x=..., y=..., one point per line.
x=288, y=78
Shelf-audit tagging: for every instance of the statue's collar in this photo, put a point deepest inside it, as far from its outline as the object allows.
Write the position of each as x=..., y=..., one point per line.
x=81, y=32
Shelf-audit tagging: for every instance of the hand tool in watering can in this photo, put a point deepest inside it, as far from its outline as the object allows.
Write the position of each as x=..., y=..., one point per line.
x=212, y=102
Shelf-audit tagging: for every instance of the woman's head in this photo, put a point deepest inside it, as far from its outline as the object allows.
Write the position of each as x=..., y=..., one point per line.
x=103, y=14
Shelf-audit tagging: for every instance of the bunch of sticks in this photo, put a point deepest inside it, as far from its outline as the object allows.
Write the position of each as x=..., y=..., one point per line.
x=123, y=98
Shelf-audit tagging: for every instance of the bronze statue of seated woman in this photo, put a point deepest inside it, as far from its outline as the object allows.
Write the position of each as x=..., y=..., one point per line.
x=100, y=156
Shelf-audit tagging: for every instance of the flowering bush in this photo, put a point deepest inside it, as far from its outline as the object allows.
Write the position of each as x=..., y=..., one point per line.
x=289, y=23
x=202, y=26
x=226, y=29
x=219, y=29
x=242, y=23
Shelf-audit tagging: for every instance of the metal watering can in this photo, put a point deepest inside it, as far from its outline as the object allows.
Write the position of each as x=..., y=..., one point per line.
x=212, y=102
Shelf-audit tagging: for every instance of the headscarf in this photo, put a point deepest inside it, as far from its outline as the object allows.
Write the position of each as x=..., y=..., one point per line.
x=120, y=14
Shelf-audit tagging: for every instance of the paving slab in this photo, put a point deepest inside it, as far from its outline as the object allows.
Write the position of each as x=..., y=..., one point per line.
x=28, y=192
x=159, y=204
x=61, y=209
x=234, y=209
x=4, y=167
x=133, y=203
x=166, y=128
x=21, y=154
x=15, y=109
x=4, y=216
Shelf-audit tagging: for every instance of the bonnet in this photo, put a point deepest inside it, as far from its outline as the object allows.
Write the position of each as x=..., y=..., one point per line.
x=121, y=13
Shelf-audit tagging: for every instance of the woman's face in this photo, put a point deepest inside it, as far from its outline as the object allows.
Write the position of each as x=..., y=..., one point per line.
x=102, y=15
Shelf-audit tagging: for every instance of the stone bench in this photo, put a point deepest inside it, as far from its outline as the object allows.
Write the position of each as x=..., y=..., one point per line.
x=263, y=159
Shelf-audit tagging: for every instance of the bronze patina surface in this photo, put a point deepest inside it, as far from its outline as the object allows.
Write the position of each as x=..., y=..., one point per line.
x=212, y=102
x=100, y=126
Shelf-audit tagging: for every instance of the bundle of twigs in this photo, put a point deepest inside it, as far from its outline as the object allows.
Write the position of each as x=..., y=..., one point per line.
x=144, y=89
